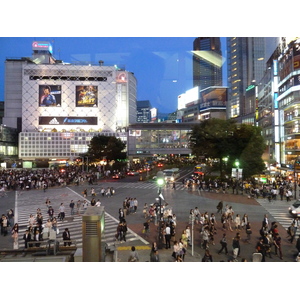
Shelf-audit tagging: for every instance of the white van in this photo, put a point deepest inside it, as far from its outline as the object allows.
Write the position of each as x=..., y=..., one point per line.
x=171, y=174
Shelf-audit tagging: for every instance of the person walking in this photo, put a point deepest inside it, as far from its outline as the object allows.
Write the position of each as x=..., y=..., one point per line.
x=61, y=214
x=72, y=206
x=223, y=243
x=248, y=232
x=236, y=246
x=168, y=236
x=277, y=244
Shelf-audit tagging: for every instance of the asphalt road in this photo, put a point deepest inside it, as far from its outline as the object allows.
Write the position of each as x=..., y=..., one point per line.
x=181, y=201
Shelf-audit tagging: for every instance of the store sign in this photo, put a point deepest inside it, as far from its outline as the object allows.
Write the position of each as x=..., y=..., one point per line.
x=68, y=121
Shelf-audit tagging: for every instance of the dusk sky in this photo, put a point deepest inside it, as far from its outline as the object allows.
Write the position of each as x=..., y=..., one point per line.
x=162, y=65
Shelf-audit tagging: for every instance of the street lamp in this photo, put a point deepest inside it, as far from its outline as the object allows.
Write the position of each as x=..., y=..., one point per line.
x=160, y=181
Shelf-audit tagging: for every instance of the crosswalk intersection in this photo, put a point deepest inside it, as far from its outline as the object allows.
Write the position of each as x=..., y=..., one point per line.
x=28, y=204
x=278, y=210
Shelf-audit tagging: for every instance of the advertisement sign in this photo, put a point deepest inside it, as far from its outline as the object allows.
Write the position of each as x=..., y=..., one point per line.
x=50, y=95
x=86, y=96
x=68, y=121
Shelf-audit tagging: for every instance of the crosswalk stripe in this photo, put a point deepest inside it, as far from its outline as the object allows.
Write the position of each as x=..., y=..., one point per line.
x=28, y=206
x=278, y=210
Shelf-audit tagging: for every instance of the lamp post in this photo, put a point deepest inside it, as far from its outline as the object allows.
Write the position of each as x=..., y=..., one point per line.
x=160, y=181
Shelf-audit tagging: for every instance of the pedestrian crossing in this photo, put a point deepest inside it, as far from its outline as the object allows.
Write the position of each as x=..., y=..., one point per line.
x=278, y=210
x=28, y=204
x=138, y=185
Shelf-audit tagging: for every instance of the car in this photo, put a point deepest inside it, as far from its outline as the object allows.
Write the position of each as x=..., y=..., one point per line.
x=132, y=173
x=160, y=165
x=117, y=175
x=294, y=209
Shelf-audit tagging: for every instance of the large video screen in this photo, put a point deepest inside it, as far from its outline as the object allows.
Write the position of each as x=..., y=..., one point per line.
x=86, y=96
x=50, y=95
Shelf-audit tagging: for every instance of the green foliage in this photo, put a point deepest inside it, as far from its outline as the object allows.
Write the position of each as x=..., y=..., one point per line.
x=217, y=139
x=108, y=147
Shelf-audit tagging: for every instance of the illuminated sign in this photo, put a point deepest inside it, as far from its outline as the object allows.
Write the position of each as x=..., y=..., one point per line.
x=44, y=46
x=86, y=96
x=50, y=95
x=68, y=121
x=250, y=87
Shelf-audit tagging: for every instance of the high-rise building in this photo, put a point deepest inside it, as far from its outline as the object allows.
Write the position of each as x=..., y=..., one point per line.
x=207, y=62
x=246, y=64
x=143, y=111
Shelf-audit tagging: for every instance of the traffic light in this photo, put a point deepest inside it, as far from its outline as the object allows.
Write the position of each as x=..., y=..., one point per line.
x=160, y=179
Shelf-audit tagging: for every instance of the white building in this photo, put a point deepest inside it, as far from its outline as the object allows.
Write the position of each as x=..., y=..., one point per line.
x=59, y=107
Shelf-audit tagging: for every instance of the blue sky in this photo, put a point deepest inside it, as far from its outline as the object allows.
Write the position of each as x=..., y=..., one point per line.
x=162, y=65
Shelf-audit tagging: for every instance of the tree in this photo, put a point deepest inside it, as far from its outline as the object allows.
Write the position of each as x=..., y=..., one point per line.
x=108, y=147
x=217, y=139
x=212, y=138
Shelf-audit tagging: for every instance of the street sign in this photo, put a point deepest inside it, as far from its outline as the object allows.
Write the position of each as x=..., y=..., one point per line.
x=237, y=173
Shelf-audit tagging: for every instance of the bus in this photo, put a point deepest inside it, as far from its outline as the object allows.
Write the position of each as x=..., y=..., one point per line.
x=171, y=174
x=199, y=170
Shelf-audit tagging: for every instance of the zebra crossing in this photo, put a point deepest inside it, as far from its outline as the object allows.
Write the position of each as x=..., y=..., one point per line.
x=278, y=210
x=29, y=202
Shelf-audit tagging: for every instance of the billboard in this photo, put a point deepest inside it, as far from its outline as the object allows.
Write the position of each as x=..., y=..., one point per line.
x=86, y=96
x=68, y=121
x=50, y=95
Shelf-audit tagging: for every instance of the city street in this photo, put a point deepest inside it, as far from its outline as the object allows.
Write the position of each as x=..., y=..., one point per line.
x=179, y=200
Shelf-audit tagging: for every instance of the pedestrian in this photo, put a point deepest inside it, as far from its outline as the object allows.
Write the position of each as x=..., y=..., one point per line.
x=61, y=214
x=182, y=249
x=85, y=205
x=121, y=215
x=248, y=232
x=260, y=248
x=277, y=244
x=66, y=237
x=207, y=257
x=155, y=256
x=146, y=228
x=124, y=230
x=15, y=233
x=27, y=238
x=244, y=221
x=51, y=212
x=145, y=211
x=98, y=203
x=102, y=192
x=236, y=246
x=84, y=193
x=72, y=205
x=135, y=205
x=78, y=206
x=10, y=217
x=220, y=207
x=176, y=250
x=298, y=244
x=133, y=256
x=154, y=248
x=93, y=202
x=37, y=238
x=167, y=233
x=205, y=237
x=93, y=193
x=223, y=243
x=237, y=222
x=4, y=225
